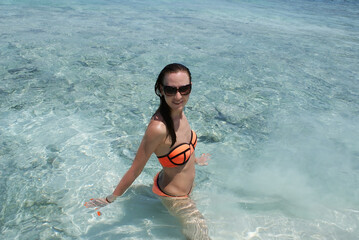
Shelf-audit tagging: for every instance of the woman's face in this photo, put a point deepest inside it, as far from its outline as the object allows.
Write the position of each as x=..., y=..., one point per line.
x=176, y=102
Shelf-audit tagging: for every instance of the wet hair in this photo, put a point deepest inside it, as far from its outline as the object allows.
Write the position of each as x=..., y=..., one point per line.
x=164, y=109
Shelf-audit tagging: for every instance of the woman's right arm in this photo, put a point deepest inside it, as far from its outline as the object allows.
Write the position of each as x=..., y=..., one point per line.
x=155, y=135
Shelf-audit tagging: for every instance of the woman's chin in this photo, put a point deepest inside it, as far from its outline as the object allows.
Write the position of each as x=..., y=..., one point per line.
x=177, y=107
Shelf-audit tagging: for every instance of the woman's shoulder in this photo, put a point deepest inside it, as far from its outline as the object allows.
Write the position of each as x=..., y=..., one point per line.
x=157, y=126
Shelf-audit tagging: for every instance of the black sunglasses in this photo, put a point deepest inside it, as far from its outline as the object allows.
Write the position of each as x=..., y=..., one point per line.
x=183, y=90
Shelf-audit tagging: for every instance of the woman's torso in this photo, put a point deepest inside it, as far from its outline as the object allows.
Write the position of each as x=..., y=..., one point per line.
x=178, y=180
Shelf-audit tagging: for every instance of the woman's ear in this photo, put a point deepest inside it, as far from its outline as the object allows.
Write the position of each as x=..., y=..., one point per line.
x=161, y=91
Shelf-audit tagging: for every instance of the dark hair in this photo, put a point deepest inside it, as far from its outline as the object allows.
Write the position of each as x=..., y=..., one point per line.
x=164, y=109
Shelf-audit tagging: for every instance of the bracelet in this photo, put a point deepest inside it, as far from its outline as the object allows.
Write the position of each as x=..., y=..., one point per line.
x=112, y=197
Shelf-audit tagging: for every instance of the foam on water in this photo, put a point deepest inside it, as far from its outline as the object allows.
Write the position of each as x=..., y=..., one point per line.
x=275, y=101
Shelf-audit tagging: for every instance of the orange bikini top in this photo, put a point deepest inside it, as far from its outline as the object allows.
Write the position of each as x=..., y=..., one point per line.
x=180, y=154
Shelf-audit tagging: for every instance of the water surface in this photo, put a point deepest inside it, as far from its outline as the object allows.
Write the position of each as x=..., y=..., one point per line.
x=275, y=101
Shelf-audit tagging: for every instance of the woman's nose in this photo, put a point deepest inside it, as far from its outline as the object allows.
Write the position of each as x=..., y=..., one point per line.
x=178, y=95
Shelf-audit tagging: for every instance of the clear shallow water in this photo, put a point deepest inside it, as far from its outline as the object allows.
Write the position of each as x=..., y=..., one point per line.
x=275, y=102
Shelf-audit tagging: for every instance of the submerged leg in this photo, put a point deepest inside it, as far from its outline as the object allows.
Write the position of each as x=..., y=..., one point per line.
x=193, y=223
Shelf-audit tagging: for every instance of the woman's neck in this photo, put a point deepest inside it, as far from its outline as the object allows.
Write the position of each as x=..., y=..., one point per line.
x=176, y=115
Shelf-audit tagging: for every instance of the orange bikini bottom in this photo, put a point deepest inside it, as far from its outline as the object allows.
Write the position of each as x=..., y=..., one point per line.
x=157, y=190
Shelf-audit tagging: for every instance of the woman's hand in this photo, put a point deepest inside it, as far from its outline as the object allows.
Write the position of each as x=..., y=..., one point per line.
x=203, y=159
x=96, y=203
x=100, y=202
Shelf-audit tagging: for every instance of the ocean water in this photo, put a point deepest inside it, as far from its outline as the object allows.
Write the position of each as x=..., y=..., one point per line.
x=275, y=101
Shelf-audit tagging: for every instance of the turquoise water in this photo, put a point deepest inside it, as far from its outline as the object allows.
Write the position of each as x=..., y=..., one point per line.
x=275, y=101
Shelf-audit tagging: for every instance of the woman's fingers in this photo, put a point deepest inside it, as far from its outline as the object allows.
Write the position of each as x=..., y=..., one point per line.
x=96, y=202
x=203, y=159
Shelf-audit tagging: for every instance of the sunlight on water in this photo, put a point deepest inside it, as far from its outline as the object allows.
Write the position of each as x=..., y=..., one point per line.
x=275, y=101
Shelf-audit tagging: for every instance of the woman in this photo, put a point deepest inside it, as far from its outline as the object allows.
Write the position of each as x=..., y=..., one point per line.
x=170, y=137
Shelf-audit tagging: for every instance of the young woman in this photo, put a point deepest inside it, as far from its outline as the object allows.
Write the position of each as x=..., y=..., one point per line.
x=171, y=138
